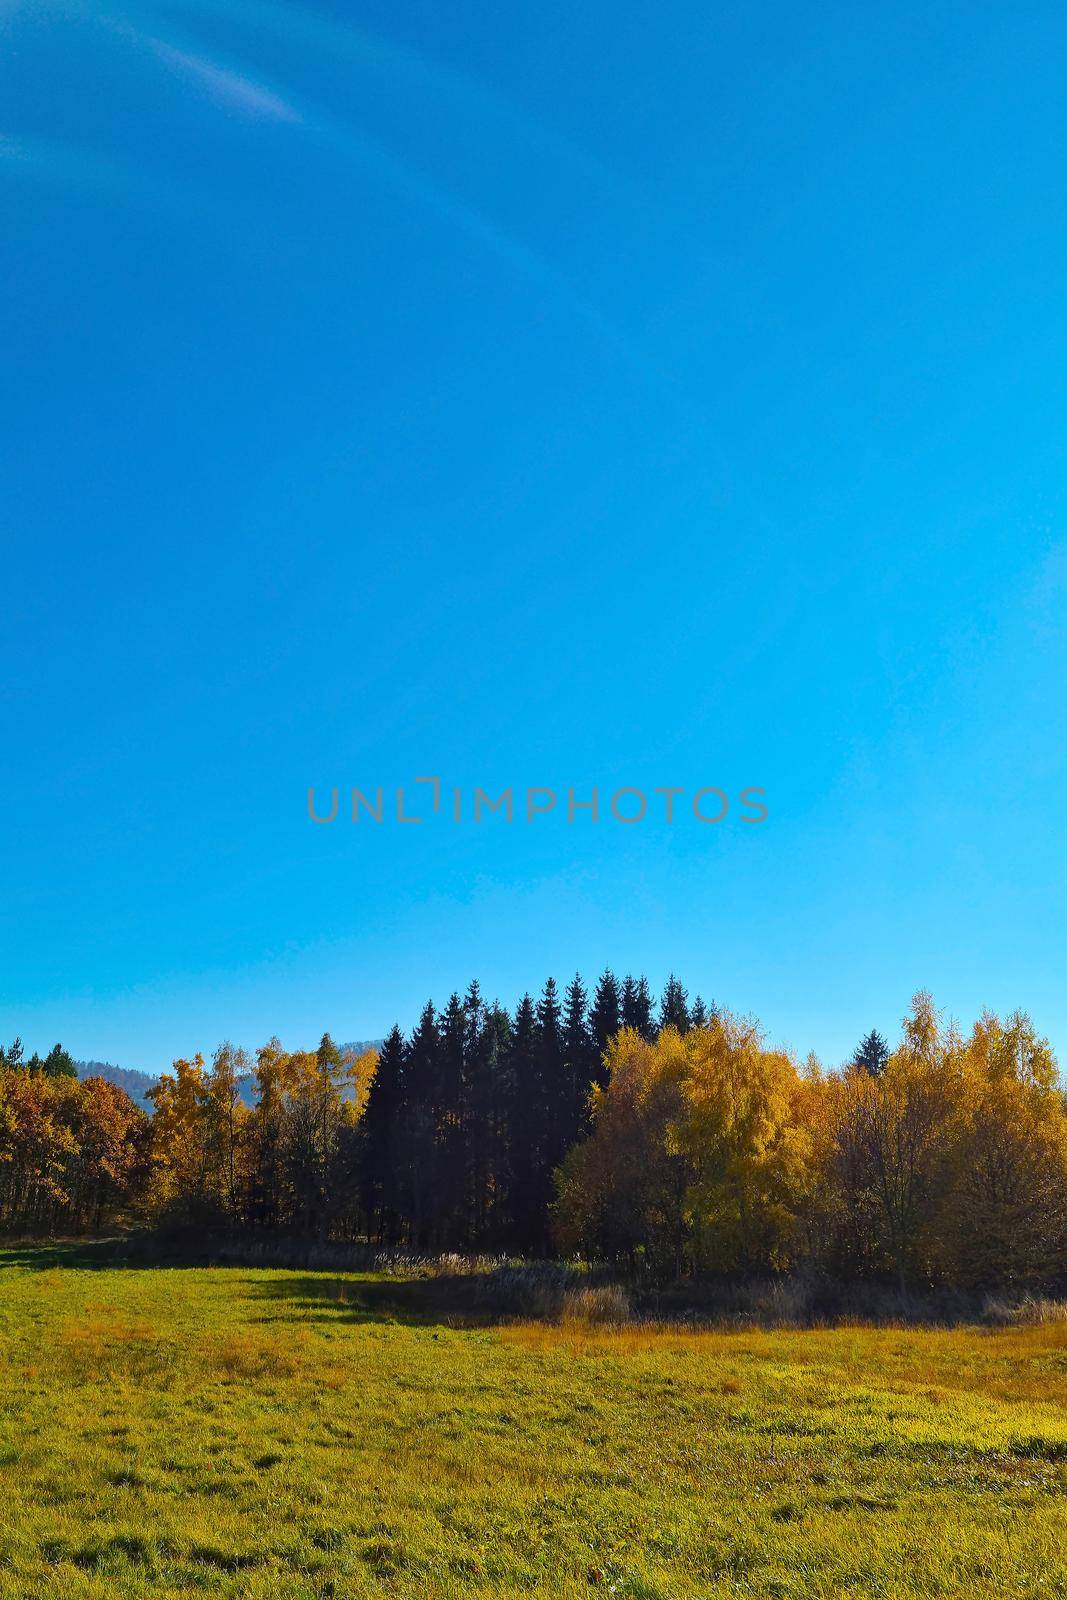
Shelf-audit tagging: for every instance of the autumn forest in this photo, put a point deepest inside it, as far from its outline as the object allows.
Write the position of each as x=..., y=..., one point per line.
x=666, y=1139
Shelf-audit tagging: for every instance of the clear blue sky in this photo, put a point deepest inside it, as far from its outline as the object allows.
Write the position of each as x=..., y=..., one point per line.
x=612, y=394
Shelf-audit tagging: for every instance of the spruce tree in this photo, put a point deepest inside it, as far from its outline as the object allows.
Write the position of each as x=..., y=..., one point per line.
x=450, y=1152
x=59, y=1063
x=674, y=1011
x=580, y=1054
x=524, y=1129
x=872, y=1053
x=495, y=1055
x=476, y=1113
x=558, y=1088
x=605, y=1019
x=419, y=1128
x=636, y=1007
x=381, y=1128
x=627, y=1000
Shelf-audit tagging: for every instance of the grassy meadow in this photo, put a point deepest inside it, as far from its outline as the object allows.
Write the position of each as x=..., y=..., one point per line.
x=264, y=1433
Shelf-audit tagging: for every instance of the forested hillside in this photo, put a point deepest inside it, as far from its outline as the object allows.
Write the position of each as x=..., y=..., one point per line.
x=136, y=1084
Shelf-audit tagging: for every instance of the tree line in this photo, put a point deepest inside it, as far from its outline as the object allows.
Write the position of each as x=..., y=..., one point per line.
x=663, y=1137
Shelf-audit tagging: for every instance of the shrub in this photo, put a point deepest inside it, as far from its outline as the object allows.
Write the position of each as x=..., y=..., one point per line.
x=601, y=1305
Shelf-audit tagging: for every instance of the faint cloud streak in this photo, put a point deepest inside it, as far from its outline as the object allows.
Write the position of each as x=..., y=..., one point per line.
x=404, y=179
x=229, y=88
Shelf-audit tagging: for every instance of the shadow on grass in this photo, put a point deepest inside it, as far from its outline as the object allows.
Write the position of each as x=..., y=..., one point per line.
x=464, y=1299
x=300, y=1279
x=457, y=1301
x=42, y=1255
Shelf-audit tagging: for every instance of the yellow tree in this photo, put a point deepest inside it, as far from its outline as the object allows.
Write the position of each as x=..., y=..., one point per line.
x=272, y=1080
x=112, y=1134
x=178, y=1186
x=700, y=1152
x=622, y=1191
x=892, y=1147
x=1006, y=1218
x=225, y=1116
x=746, y=1133
x=344, y=1177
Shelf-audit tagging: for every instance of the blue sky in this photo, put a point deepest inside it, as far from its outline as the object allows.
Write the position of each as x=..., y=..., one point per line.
x=615, y=395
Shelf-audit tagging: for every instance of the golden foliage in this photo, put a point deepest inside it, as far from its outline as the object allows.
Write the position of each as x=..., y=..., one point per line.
x=711, y=1151
x=700, y=1151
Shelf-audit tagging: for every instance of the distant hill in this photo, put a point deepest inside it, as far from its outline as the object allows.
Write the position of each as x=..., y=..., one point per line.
x=137, y=1084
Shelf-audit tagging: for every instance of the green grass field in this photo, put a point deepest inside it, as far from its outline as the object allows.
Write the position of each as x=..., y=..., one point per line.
x=262, y=1433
